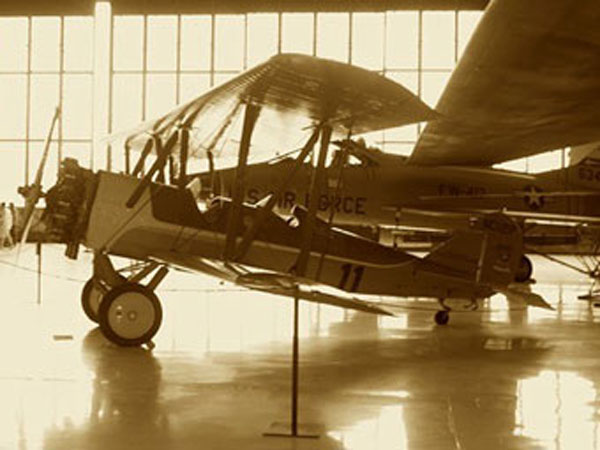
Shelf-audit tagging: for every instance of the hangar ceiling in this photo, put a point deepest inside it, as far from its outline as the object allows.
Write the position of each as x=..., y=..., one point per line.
x=86, y=7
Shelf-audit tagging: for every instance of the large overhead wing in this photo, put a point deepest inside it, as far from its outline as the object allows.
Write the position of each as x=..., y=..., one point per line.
x=528, y=82
x=295, y=92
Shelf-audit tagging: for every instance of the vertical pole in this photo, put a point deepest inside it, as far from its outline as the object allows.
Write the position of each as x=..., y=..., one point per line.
x=295, y=358
x=61, y=83
x=213, y=24
x=420, y=64
x=28, y=99
x=109, y=153
x=38, y=252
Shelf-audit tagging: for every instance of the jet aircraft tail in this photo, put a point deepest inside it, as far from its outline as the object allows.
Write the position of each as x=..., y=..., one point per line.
x=488, y=253
x=585, y=154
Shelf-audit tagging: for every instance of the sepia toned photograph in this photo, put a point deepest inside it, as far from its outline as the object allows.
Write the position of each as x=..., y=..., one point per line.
x=300, y=224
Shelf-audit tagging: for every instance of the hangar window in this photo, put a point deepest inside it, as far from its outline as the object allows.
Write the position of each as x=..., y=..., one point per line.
x=160, y=94
x=229, y=43
x=333, y=36
x=13, y=92
x=263, y=32
x=297, y=32
x=13, y=44
x=402, y=40
x=159, y=61
x=367, y=40
x=438, y=40
x=195, y=43
x=128, y=40
x=78, y=43
x=46, y=44
x=127, y=100
x=44, y=98
x=12, y=154
x=77, y=99
x=162, y=43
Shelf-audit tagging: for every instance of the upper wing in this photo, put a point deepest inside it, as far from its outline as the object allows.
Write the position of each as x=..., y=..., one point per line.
x=528, y=82
x=295, y=92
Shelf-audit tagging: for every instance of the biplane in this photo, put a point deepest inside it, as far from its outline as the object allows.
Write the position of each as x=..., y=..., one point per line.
x=527, y=83
x=154, y=215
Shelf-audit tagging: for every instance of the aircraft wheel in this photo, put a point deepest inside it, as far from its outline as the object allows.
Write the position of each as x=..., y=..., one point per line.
x=91, y=296
x=130, y=314
x=442, y=317
x=524, y=270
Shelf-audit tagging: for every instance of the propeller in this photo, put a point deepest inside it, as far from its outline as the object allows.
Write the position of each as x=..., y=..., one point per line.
x=33, y=192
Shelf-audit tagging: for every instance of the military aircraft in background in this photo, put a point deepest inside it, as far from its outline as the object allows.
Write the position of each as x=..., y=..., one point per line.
x=162, y=225
x=526, y=83
x=367, y=190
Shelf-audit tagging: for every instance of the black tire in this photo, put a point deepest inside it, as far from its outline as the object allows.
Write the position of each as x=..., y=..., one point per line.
x=89, y=300
x=118, y=325
x=442, y=317
x=524, y=270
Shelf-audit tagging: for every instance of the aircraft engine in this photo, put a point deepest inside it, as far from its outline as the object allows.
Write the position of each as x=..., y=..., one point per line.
x=66, y=206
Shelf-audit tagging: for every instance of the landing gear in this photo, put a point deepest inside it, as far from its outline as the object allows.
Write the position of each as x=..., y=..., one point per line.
x=130, y=314
x=91, y=296
x=442, y=317
x=524, y=270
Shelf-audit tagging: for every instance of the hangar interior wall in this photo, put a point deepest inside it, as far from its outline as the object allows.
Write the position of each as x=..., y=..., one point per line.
x=110, y=71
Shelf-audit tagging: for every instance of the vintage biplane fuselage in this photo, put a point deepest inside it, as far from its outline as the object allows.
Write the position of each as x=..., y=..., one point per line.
x=167, y=225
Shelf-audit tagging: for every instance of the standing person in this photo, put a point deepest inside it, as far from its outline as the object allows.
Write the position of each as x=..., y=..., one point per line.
x=5, y=226
x=13, y=216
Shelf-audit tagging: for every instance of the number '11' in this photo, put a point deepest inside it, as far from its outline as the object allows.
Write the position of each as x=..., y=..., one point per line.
x=346, y=272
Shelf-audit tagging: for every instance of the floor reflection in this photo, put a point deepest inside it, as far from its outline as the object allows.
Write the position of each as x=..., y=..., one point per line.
x=502, y=377
x=124, y=408
x=558, y=409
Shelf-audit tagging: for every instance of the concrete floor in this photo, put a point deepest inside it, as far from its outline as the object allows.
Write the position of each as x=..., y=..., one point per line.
x=220, y=372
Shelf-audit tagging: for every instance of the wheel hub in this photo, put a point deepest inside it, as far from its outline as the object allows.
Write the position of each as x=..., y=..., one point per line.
x=131, y=315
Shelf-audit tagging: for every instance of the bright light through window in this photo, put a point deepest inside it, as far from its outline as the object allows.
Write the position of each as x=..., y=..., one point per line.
x=195, y=42
x=77, y=75
x=263, y=30
x=332, y=36
x=162, y=42
x=297, y=31
x=438, y=40
x=13, y=44
x=367, y=40
x=401, y=40
x=229, y=43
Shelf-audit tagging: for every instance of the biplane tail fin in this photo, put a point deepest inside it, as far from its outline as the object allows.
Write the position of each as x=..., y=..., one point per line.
x=487, y=253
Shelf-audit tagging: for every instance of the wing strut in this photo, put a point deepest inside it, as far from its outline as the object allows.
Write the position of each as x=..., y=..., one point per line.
x=159, y=163
x=313, y=202
x=251, y=113
x=264, y=211
x=184, y=136
x=140, y=162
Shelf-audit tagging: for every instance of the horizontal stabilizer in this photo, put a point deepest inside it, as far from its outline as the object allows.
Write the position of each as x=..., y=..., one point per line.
x=529, y=298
